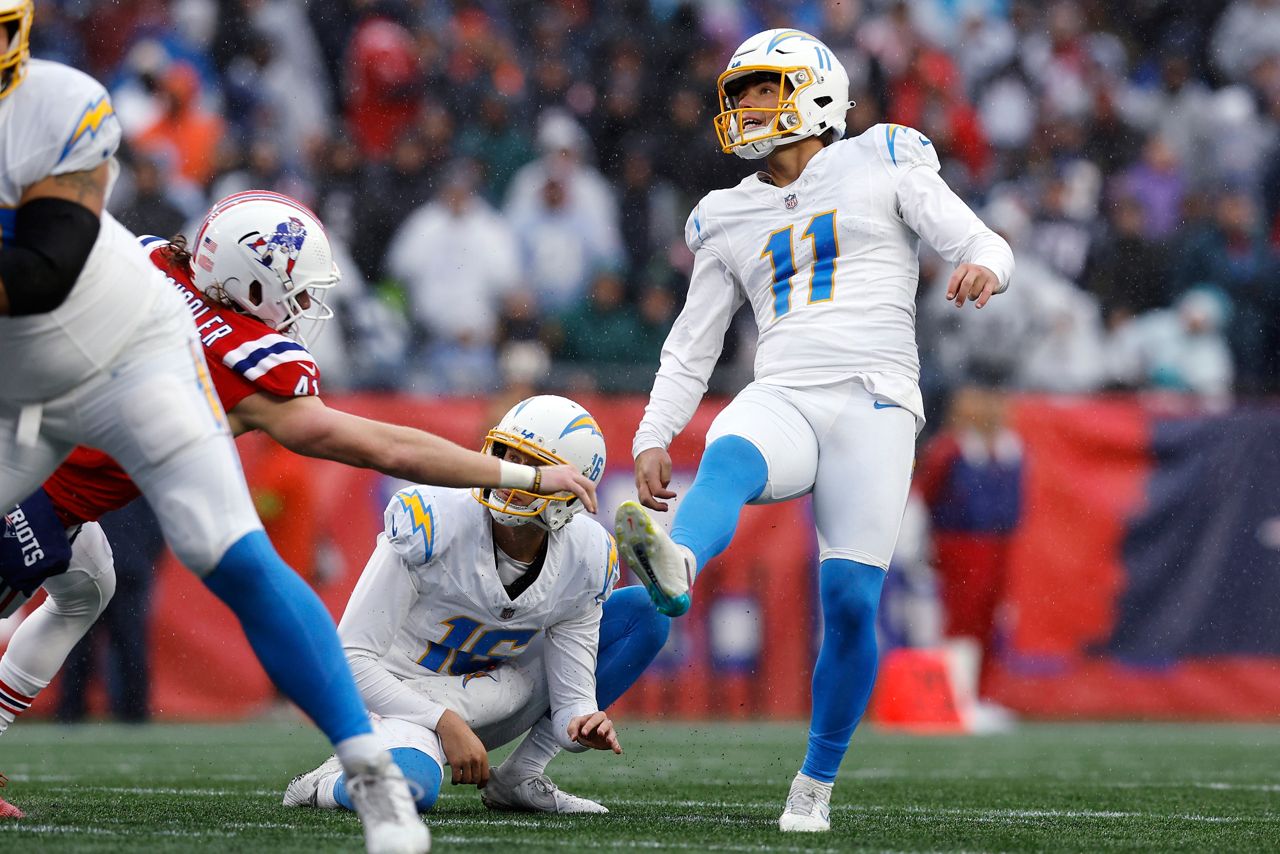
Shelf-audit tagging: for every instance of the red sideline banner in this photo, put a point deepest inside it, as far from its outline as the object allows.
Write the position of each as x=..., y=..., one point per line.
x=747, y=648
x=1116, y=490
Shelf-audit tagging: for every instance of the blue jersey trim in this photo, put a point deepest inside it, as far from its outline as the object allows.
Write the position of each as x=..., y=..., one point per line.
x=248, y=362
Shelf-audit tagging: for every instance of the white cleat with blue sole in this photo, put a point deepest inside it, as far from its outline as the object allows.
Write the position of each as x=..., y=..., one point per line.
x=664, y=568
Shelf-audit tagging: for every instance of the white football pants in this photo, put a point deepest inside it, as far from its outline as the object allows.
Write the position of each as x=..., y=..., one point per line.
x=499, y=705
x=852, y=449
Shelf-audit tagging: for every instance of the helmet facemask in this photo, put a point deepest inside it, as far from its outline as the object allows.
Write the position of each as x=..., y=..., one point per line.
x=781, y=124
x=516, y=507
x=15, y=35
x=813, y=93
x=543, y=430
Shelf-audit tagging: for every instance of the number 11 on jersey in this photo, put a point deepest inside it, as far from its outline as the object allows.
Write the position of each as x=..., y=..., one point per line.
x=822, y=231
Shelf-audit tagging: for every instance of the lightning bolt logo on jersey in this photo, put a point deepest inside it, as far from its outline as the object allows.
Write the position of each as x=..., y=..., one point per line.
x=57, y=121
x=464, y=621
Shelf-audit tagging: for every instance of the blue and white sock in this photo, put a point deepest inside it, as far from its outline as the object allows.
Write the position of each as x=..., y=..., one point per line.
x=422, y=772
x=296, y=642
x=731, y=473
x=847, y=661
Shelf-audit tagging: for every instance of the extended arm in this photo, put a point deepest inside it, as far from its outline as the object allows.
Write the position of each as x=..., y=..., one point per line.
x=983, y=258
x=688, y=357
x=306, y=426
x=57, y=224
x=690, y=352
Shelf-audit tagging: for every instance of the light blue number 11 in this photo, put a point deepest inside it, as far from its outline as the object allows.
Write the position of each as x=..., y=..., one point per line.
x=822, y=231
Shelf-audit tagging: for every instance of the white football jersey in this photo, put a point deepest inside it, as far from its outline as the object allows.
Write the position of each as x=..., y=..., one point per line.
x=458, y=618
x=829, y=265
x=59, y=120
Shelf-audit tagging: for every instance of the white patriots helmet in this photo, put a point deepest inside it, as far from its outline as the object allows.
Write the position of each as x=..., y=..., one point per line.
x=263, y=252
x=15, y=42
x=546, y=430
x=813, y=98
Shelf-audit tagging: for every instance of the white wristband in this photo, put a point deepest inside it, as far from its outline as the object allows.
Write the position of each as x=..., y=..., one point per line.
x=515, y=476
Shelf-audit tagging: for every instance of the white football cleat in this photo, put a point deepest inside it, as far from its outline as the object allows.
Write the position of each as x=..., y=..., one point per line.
x=533, y=794
x=303, y=789
x=385, y=805
x=665, y=569
x=808, y=807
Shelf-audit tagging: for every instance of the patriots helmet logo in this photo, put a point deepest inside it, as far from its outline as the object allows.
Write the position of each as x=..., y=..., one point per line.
x=286, y=239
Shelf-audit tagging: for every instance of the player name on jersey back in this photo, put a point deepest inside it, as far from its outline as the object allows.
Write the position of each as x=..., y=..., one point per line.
x=244, y=354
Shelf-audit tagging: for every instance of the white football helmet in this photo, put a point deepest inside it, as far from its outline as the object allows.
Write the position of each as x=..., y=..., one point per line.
x=15, y=42
x=269, y=256
x=547, y=430
x=813, y=96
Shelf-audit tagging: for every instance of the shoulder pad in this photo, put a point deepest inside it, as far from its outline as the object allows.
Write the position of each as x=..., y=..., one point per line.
x=696, y=227
x=902, y=147
x=599, y=557
x=411, y=522
x=612, y=569
x=93, y=132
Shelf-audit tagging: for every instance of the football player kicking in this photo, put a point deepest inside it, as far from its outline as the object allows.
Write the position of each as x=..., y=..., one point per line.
x=481, y=616
x=260, y=269
x=823, y=244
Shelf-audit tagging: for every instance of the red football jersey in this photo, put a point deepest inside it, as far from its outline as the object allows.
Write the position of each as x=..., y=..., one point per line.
x=244, y=356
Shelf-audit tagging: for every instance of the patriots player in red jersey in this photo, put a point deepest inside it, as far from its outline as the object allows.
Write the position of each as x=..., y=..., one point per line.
x=255, y=280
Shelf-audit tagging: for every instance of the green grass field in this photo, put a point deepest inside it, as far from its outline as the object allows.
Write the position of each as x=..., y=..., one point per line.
x=679, y=788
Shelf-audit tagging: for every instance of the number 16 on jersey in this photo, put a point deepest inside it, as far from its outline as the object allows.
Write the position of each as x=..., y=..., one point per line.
x=780, y=252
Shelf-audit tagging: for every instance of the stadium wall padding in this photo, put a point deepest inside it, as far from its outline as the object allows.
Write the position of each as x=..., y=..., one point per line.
x=1145, y=577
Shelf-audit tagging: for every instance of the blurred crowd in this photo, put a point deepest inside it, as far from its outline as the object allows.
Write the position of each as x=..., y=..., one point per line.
x=508, y=181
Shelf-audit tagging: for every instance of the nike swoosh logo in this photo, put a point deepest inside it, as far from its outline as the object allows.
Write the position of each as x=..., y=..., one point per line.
x=309, y=369
x=881, y=405
x=924, y=141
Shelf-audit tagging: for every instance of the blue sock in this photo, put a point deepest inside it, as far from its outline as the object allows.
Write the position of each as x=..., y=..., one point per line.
x=847, y=661
x=291, y=633
x=632, y=632
x=732, y=472
x=419, y=769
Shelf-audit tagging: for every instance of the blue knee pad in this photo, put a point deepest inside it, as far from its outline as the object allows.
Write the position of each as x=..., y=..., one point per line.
x=422, y=772
x=732, y=472
x=292, y=634
x=632, y=633
x=847, y=662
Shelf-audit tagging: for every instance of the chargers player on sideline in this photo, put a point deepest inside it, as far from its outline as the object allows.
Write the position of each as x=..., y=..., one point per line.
x=823, y=244
x=261, y=270
x=95, y=349
x=477, y=613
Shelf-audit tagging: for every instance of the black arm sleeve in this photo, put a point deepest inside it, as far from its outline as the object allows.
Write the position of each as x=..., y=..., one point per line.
x=41, y=260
